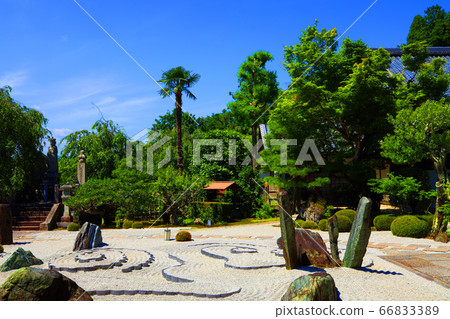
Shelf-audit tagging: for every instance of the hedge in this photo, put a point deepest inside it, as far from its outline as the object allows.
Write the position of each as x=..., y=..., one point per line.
x=323, y=224
x=383, y=222
x=410, y=226
x=306, y=224
x=350, y=213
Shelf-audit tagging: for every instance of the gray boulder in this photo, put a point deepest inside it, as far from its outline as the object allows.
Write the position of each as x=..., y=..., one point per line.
x=89, y=236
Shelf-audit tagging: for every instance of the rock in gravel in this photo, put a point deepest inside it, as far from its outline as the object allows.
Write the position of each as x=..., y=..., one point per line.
x=291, y=250
x=314, y=251
x=89, y=236
x=20, y=258
x=32, y=284
x=359, y=235
x=318, y=286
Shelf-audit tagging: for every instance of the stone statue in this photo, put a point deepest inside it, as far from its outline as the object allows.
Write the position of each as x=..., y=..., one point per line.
x=81, y=169
x=52, y=157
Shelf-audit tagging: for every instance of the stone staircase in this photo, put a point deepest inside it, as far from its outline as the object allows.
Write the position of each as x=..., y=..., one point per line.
x=29, y=216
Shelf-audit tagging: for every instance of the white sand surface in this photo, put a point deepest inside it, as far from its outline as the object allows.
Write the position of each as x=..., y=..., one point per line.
x=200, y=276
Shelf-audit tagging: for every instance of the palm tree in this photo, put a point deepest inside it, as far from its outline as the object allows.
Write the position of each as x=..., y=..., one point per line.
x=178, y=81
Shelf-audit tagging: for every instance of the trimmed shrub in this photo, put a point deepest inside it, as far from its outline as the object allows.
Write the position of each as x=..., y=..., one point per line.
x=344, y=224
x=137, y=225
x=183, y=236
x=373, y=228
x=1, y=249
x=350, y=213
x=428, y=218
x=73, y=227
x=307, y=224
x=127, y=224
x=410, y=226
x=383, y=222
x=448, y=233
x=323, y=225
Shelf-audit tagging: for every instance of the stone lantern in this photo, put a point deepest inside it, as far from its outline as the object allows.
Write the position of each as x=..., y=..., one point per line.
x=66, y=193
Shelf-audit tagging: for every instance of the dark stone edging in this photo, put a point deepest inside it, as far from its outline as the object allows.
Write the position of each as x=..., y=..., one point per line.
x=212, y=255
x=119, y=263
x=246, y=250
x=86, y=260
x=159, y=292
x=172, y=277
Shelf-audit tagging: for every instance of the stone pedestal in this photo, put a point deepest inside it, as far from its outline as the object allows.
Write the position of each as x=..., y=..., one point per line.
x=6, y=233
x=333, y=232
x=66, y=193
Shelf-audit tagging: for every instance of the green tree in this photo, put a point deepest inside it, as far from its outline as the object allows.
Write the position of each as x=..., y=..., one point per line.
x=257, y=90
x=104, y=147
x=168, y=122
x=423, y=133
x=432, y=28
x=223, y=169
x=219, y=121
x=177, y=189
x=22, y=132
x=178, y=81
x=429, y=80
x=340, y=99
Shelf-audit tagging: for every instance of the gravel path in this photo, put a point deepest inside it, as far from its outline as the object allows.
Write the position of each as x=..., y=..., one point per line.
x=229, y=263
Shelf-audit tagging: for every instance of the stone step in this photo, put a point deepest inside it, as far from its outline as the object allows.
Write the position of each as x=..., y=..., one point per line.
x=28, y=219
x=31, y=209
x=31, y=213
x=27, y=223
x=25, y=228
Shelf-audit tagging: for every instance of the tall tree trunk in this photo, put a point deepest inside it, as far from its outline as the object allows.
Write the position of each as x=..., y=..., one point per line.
x=439, y=167
x=254, y=141
x=179, y=138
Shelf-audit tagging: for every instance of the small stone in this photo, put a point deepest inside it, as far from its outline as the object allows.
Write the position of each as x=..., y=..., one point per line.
x=32, y=284
x=442, y=237
x=333, y=232
x=20, y=258
x=318, y=286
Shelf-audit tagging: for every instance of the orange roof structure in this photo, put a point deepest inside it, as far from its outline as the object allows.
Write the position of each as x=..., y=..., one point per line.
x=219, y=185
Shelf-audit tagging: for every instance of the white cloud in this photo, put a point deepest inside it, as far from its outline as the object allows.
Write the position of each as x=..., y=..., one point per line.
x=106, y=100
x=60, y=132
x=13, y=79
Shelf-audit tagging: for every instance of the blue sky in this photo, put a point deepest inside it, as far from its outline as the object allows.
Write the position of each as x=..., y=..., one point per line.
x=59, y=61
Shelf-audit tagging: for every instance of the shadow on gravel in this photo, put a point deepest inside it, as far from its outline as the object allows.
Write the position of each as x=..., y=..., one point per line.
x=310, y=268
x=338, y=295
x=382, y=272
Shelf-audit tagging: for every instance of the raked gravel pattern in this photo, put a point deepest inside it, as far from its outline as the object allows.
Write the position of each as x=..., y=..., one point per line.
x=210, y=277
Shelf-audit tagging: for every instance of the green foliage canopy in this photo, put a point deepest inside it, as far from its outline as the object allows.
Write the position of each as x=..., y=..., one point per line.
x=22, y=132
x=433, y=27
x=104, y=147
